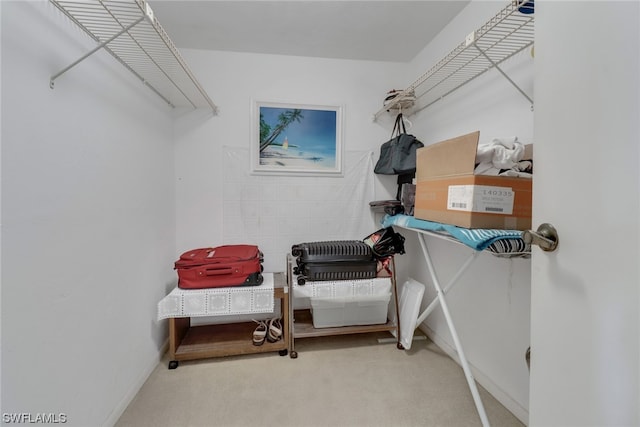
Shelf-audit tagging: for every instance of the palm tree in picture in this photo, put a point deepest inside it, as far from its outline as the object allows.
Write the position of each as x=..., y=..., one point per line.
x=268, y=135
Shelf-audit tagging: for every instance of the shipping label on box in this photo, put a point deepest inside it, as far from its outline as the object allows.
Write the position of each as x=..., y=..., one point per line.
x=481, y=198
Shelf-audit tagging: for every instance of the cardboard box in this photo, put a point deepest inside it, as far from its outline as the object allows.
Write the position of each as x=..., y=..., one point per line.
x=447, y=191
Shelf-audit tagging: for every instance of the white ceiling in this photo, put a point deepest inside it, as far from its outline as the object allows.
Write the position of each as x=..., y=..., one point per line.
x=376, y=30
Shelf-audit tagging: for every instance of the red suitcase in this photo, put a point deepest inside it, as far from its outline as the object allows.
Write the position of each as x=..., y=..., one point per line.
x=222, y=266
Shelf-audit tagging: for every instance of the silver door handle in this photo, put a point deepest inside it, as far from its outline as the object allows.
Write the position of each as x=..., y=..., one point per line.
x=546, y=237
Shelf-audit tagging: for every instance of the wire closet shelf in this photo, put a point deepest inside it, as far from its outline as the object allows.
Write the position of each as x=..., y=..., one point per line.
x=129, y=31
x=505, y=35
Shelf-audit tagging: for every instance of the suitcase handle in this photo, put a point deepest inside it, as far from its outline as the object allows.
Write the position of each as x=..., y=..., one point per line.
x=218, y=271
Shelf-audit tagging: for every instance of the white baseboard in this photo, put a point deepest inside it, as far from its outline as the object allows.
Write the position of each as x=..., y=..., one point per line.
x=500, y=395
x=135, y=387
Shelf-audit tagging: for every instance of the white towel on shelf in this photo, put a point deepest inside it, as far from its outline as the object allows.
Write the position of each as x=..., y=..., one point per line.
x=499, y=154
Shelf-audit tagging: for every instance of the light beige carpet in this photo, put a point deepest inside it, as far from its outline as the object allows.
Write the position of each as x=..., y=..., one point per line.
x=348, y=381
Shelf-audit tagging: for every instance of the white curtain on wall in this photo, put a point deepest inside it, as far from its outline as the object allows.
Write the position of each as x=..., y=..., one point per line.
x=278, y=211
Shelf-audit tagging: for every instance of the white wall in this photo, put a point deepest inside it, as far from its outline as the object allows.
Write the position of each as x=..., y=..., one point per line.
x=88, y=228
x=490, y=304
x=238, y=79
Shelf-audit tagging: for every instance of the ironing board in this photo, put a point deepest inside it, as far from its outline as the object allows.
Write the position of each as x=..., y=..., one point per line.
x=503, y=243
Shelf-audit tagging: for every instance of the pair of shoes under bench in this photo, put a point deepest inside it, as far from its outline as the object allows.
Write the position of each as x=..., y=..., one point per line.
x=270, y=330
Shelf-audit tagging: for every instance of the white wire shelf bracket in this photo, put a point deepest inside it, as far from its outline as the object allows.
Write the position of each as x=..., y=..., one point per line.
x=508, y=33
x=129, y=31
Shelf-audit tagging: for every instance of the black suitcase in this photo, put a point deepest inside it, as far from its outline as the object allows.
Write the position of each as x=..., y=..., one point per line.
x=333, y=260
x=338, y=270
x=333, y=250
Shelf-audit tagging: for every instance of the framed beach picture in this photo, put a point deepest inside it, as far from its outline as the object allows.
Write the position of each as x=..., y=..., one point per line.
x=296, y=139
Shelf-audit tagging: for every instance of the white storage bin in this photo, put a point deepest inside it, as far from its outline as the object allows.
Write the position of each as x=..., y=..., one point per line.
x=302, y=295
x=349, y=311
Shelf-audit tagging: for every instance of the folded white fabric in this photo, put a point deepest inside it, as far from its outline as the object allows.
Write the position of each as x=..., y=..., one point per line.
x=499, y=154
x=512, y=172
